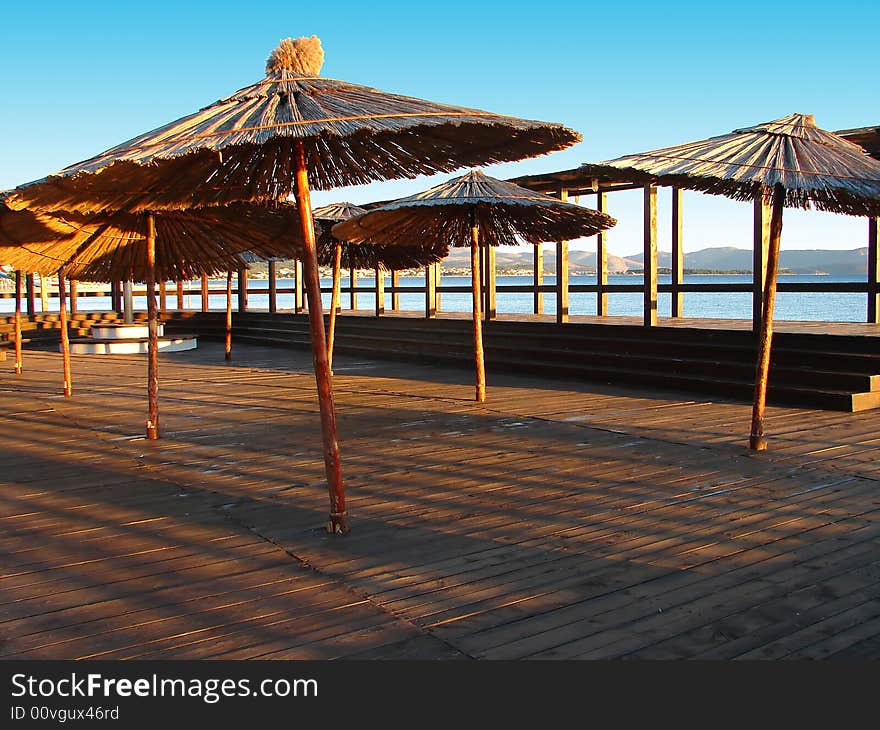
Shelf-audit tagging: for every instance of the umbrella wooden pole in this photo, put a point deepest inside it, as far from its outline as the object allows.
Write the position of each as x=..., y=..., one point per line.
x=65, y=340
x=44, y=293
x=338, y=522
x=229, y=315
x=334, y=303
x=18, y=323
x=757, y=442
x=153, y=351
x=478, y=325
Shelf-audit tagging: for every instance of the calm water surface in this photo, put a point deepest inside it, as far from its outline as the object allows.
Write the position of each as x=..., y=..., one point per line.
x=832, y=307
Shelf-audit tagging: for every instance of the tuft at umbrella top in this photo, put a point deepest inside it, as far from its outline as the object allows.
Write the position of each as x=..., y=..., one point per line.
x=505, y=213
x=818, y=169
x=240, y=148
x=302, y=56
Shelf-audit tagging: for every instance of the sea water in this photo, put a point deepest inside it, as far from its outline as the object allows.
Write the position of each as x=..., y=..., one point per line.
x=819, y=306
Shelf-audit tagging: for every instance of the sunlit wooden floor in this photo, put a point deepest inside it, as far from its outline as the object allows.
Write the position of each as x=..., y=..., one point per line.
x=558, y=520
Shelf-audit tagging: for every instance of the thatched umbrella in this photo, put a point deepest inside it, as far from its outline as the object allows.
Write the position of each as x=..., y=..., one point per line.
x=336, y=253
x=474, y=210
x=787, y=162
x=120, y=245
x=288, y=132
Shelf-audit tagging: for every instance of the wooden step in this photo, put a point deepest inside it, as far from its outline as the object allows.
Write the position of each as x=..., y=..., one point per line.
x=817, y=371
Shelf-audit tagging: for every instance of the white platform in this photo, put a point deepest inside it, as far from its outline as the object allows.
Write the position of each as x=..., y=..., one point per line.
x=129, y=339
x=94, y=346
x=123, y=331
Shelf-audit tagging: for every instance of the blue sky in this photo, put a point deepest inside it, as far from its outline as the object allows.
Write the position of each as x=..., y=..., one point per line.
x=630, y=76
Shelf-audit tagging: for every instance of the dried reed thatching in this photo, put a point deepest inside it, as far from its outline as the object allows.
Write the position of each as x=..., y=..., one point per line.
x=240, y=148
x=113, y=247
x=505, y=214
x=356, y=256
x=866, y=137
x=817, y=169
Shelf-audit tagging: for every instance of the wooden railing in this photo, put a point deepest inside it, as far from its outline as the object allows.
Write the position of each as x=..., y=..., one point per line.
x=174, y=297
x=433, y=290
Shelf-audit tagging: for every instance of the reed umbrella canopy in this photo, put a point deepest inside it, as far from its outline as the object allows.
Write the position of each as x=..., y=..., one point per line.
x=816, y=169
x=291, y=131
x=505, y=213
x=112, y=247
x=788, y=162
x=122, y=245
x=474, y=210
x=240, y=148
x=357, y=256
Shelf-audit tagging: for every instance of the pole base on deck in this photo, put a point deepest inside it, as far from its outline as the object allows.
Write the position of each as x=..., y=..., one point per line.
x=337, y=524
x=757, y=443
x=68, y=391
x=152, y=432
x=18, y=369
x=481, y=395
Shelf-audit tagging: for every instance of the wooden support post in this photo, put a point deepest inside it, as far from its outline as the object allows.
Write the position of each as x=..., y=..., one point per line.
x=31, y=295
x=273, y=287
x=180, y=301
x=242, y=290
x=114, y=297
x=65, y=338
x=335, y=306
x=153, y=326
x=338, y=520
x=352, y=288
x=430, y=293
x=478, y=327
x=538, y=278
x=380, y=291
x=73, y=293
x=438, y=279
x=127, y=302
x=561, y=282
x=490, y=289
x=649, y=252
x=395, y=295
x=760, y=239
x=562, y=272
x=44, y=293
x=677, y=309
x=873, y=271
x=206, y=302
x=163, y=297
x=298, y=294
x=228, y=338
x=757, y=442
x=18, y=363
x=602, y=260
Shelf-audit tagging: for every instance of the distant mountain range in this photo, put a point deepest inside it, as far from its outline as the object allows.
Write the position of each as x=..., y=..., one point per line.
x=721, y=259
x=726, y=258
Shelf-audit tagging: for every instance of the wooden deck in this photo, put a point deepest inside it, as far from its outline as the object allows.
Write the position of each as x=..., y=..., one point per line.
x=557, y=520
